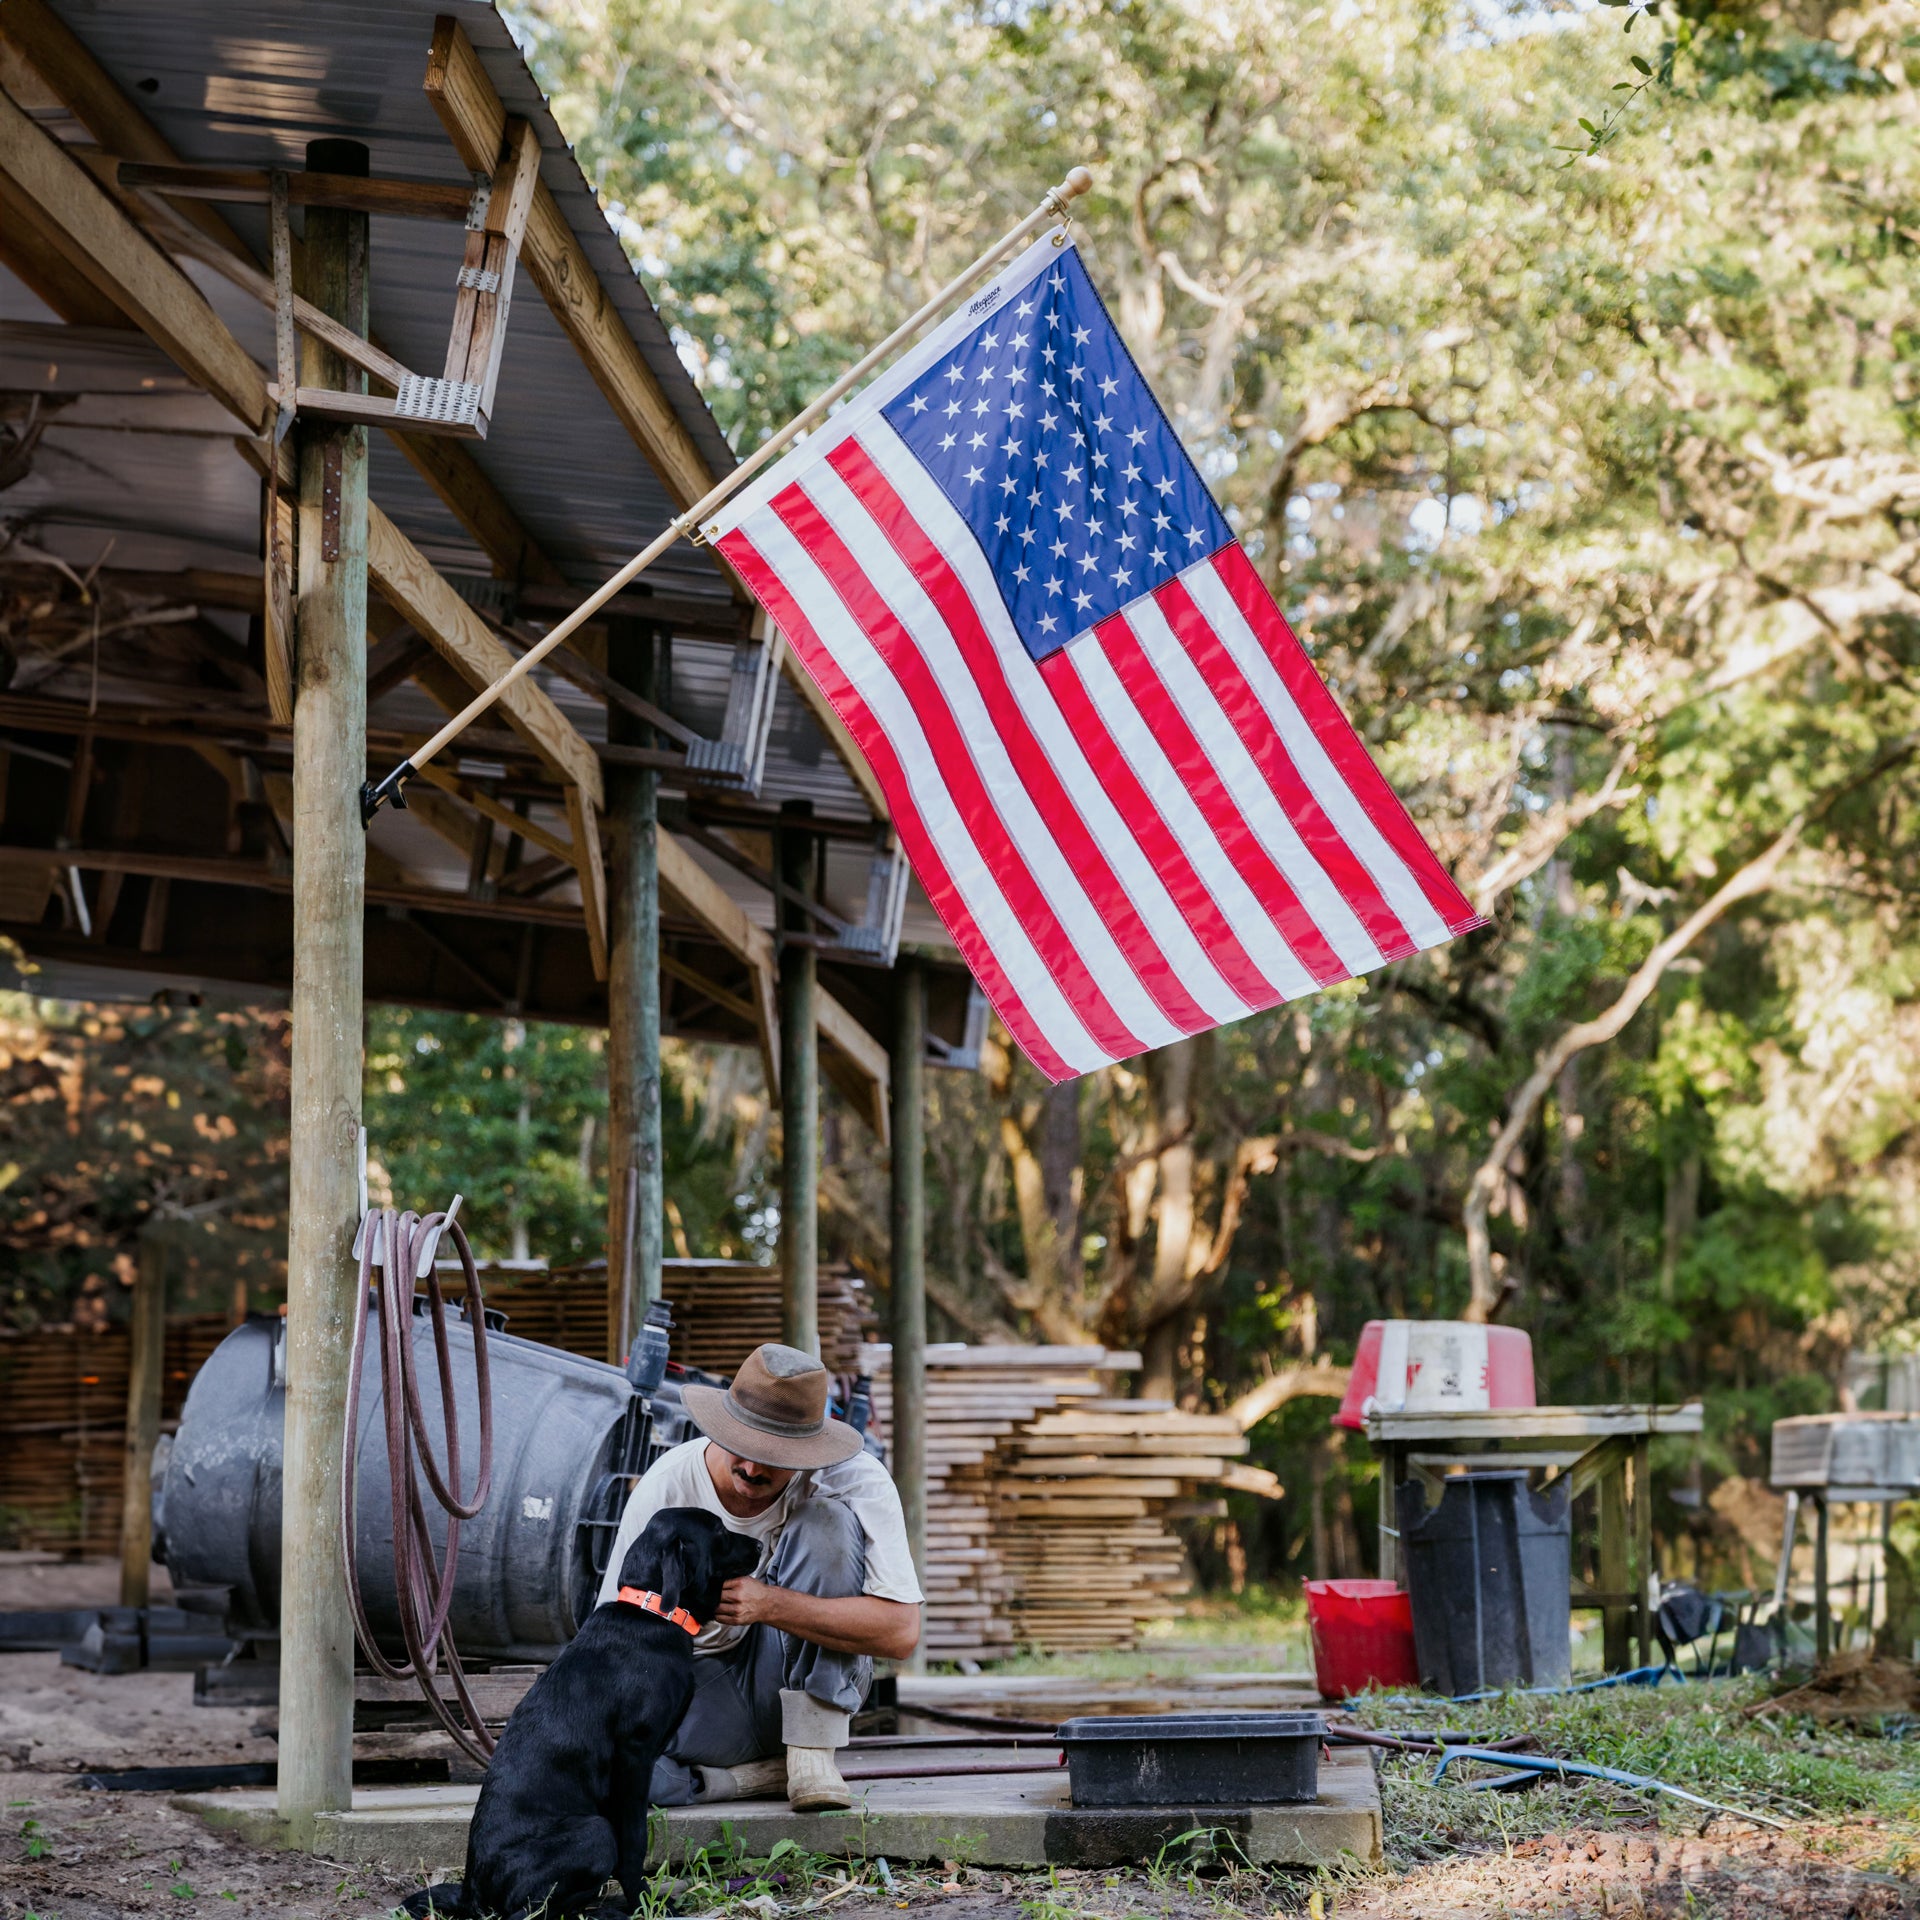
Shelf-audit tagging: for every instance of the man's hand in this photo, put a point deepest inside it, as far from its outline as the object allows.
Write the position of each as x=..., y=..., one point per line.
x=889, y=1629
x=746, y=1603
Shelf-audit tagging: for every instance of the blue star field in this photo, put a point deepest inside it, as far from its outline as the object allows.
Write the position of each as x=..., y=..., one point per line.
x=1040, y=430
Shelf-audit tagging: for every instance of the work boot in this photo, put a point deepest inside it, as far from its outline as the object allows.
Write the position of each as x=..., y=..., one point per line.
x=750, y=1780
x=814, y=1732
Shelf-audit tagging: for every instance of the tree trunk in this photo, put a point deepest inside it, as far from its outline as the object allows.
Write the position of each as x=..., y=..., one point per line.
x=1170, y=1074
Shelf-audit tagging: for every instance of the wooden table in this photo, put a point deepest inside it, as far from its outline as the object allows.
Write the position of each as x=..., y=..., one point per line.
x=1589, y=1447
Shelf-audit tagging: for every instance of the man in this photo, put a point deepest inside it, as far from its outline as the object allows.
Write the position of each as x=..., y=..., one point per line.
x=790, y=1655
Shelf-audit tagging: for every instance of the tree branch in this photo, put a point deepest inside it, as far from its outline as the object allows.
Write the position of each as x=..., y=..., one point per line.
x=1541, y=841
x=1754, y=878
x=1290, y=1383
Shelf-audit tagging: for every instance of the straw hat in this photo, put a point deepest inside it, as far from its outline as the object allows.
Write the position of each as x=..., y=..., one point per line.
x=775, y=1412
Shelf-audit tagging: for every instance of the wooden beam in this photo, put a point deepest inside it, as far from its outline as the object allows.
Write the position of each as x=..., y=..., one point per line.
x=708, y=902
x=99, y=239
x=408, y=580
x=842, y=742
x=590, y=864
x=476, y=122
x=464, y=489
x=391, y=890
x=325, y=1082
x=856, y=1062
x=720, y=996
x=490, y=808
x=73, y=76
x=248, y=186
x=95, y=99
x=29, y=251
x=509, y=202
x=464, y=98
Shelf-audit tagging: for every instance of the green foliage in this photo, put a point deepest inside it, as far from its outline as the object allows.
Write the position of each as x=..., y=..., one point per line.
x=513, y=1115
x=1568, y=475
x=115, y=1121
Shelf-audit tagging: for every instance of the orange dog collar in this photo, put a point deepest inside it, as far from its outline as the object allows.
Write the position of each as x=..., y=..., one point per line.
x=641, y=1597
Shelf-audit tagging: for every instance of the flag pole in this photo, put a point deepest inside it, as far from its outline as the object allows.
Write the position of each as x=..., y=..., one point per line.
x=375, y=794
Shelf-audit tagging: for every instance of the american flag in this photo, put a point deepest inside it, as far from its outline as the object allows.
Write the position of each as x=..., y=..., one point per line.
x=1121, y=782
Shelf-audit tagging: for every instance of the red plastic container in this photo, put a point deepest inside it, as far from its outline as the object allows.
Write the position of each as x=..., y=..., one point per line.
x=1362, y=1636
x=1436, y=1366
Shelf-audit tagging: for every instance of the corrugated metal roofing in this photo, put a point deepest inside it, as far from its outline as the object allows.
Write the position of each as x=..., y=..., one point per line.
x=250, y=86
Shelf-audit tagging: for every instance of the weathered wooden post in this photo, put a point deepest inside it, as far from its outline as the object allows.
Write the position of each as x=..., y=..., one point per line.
x=635, y=1175
x=329, y=885
x=799, y=1091
x=909, y=1208
x=145, y=1370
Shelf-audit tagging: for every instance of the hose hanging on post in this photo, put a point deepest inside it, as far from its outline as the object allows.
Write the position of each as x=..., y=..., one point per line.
x=402, y=1247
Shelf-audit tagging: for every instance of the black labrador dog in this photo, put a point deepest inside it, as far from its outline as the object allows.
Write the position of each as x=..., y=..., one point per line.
x=564, y=1806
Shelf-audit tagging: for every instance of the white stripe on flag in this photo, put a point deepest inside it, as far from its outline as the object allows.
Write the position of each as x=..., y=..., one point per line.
x=1246, y=785
x=1341, y=805
x=1157, y=909
x=1034, y=837
x=874, y=681
x=1132, y=734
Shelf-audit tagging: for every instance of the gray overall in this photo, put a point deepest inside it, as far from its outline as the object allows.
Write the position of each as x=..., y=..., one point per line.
x=734, y=1715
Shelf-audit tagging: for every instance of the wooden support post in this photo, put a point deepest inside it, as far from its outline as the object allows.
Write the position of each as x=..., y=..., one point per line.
x=1614, y=1578
x=909, y=1196
x=329, y=886
x=634, y=1168
x=1392, y=1471
x=144, y=1369
x=1643, y=1548
x=1822, y=1617
x=799, y=1093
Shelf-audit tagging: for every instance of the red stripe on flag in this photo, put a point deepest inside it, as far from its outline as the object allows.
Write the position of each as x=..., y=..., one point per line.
x=1157, y=840
x=873, y=741
x=1023, y=893
x=1035, y=771
x=1197, y=774
x=1335, y=732
x=1321, y=838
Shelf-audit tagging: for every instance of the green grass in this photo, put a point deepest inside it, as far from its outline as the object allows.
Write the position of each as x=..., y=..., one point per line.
x=1693, y=1736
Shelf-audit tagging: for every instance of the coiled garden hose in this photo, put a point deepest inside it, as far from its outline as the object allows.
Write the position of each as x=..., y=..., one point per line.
x=401, y=1247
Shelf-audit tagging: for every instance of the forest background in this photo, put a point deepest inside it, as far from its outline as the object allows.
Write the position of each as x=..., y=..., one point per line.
x=1563, y=381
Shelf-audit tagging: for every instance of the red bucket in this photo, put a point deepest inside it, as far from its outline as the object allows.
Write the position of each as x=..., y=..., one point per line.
x=1362, y=1636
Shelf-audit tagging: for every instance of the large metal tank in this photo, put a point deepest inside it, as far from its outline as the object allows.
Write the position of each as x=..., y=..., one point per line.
x=569, y=1434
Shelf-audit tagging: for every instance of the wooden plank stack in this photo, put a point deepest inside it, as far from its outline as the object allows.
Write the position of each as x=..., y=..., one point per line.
x=63, y=1410
x=722, y=1309
x=1049, y=1498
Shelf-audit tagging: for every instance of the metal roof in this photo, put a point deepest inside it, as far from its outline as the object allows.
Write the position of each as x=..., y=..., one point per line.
x=139, y=466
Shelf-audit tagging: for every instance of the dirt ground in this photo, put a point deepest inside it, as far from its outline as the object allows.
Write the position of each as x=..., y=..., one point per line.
x=68, y=1853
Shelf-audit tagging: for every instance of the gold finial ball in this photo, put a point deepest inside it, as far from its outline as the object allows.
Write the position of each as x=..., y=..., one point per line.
x=1077, y=182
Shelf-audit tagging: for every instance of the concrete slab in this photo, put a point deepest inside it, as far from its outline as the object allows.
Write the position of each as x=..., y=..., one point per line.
x=988, y=1820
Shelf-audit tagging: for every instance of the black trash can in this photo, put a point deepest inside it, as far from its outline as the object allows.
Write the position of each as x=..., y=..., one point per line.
x=1489, y=1574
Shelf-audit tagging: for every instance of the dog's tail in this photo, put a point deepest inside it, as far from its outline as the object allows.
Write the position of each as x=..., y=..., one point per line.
x=447, y=1900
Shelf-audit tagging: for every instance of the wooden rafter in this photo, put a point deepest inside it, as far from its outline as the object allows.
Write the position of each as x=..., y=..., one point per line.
x=73, y=76
x=409, y=582
x=476, y=121
x=98, y=237
x=99, y=240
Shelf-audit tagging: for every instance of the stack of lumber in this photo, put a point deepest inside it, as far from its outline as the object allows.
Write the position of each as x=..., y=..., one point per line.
x=1049, y=1499
x=63, y=1411
x=722, y=1309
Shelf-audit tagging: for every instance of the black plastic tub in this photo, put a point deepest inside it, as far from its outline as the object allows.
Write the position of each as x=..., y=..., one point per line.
x=1193, y=1759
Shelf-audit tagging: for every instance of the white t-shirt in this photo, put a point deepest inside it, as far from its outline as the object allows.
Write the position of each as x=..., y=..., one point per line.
x=679, y=1478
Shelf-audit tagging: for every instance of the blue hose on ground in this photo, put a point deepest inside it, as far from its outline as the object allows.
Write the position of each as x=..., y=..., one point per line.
x=1633, y=1677
x=1586, y=1770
